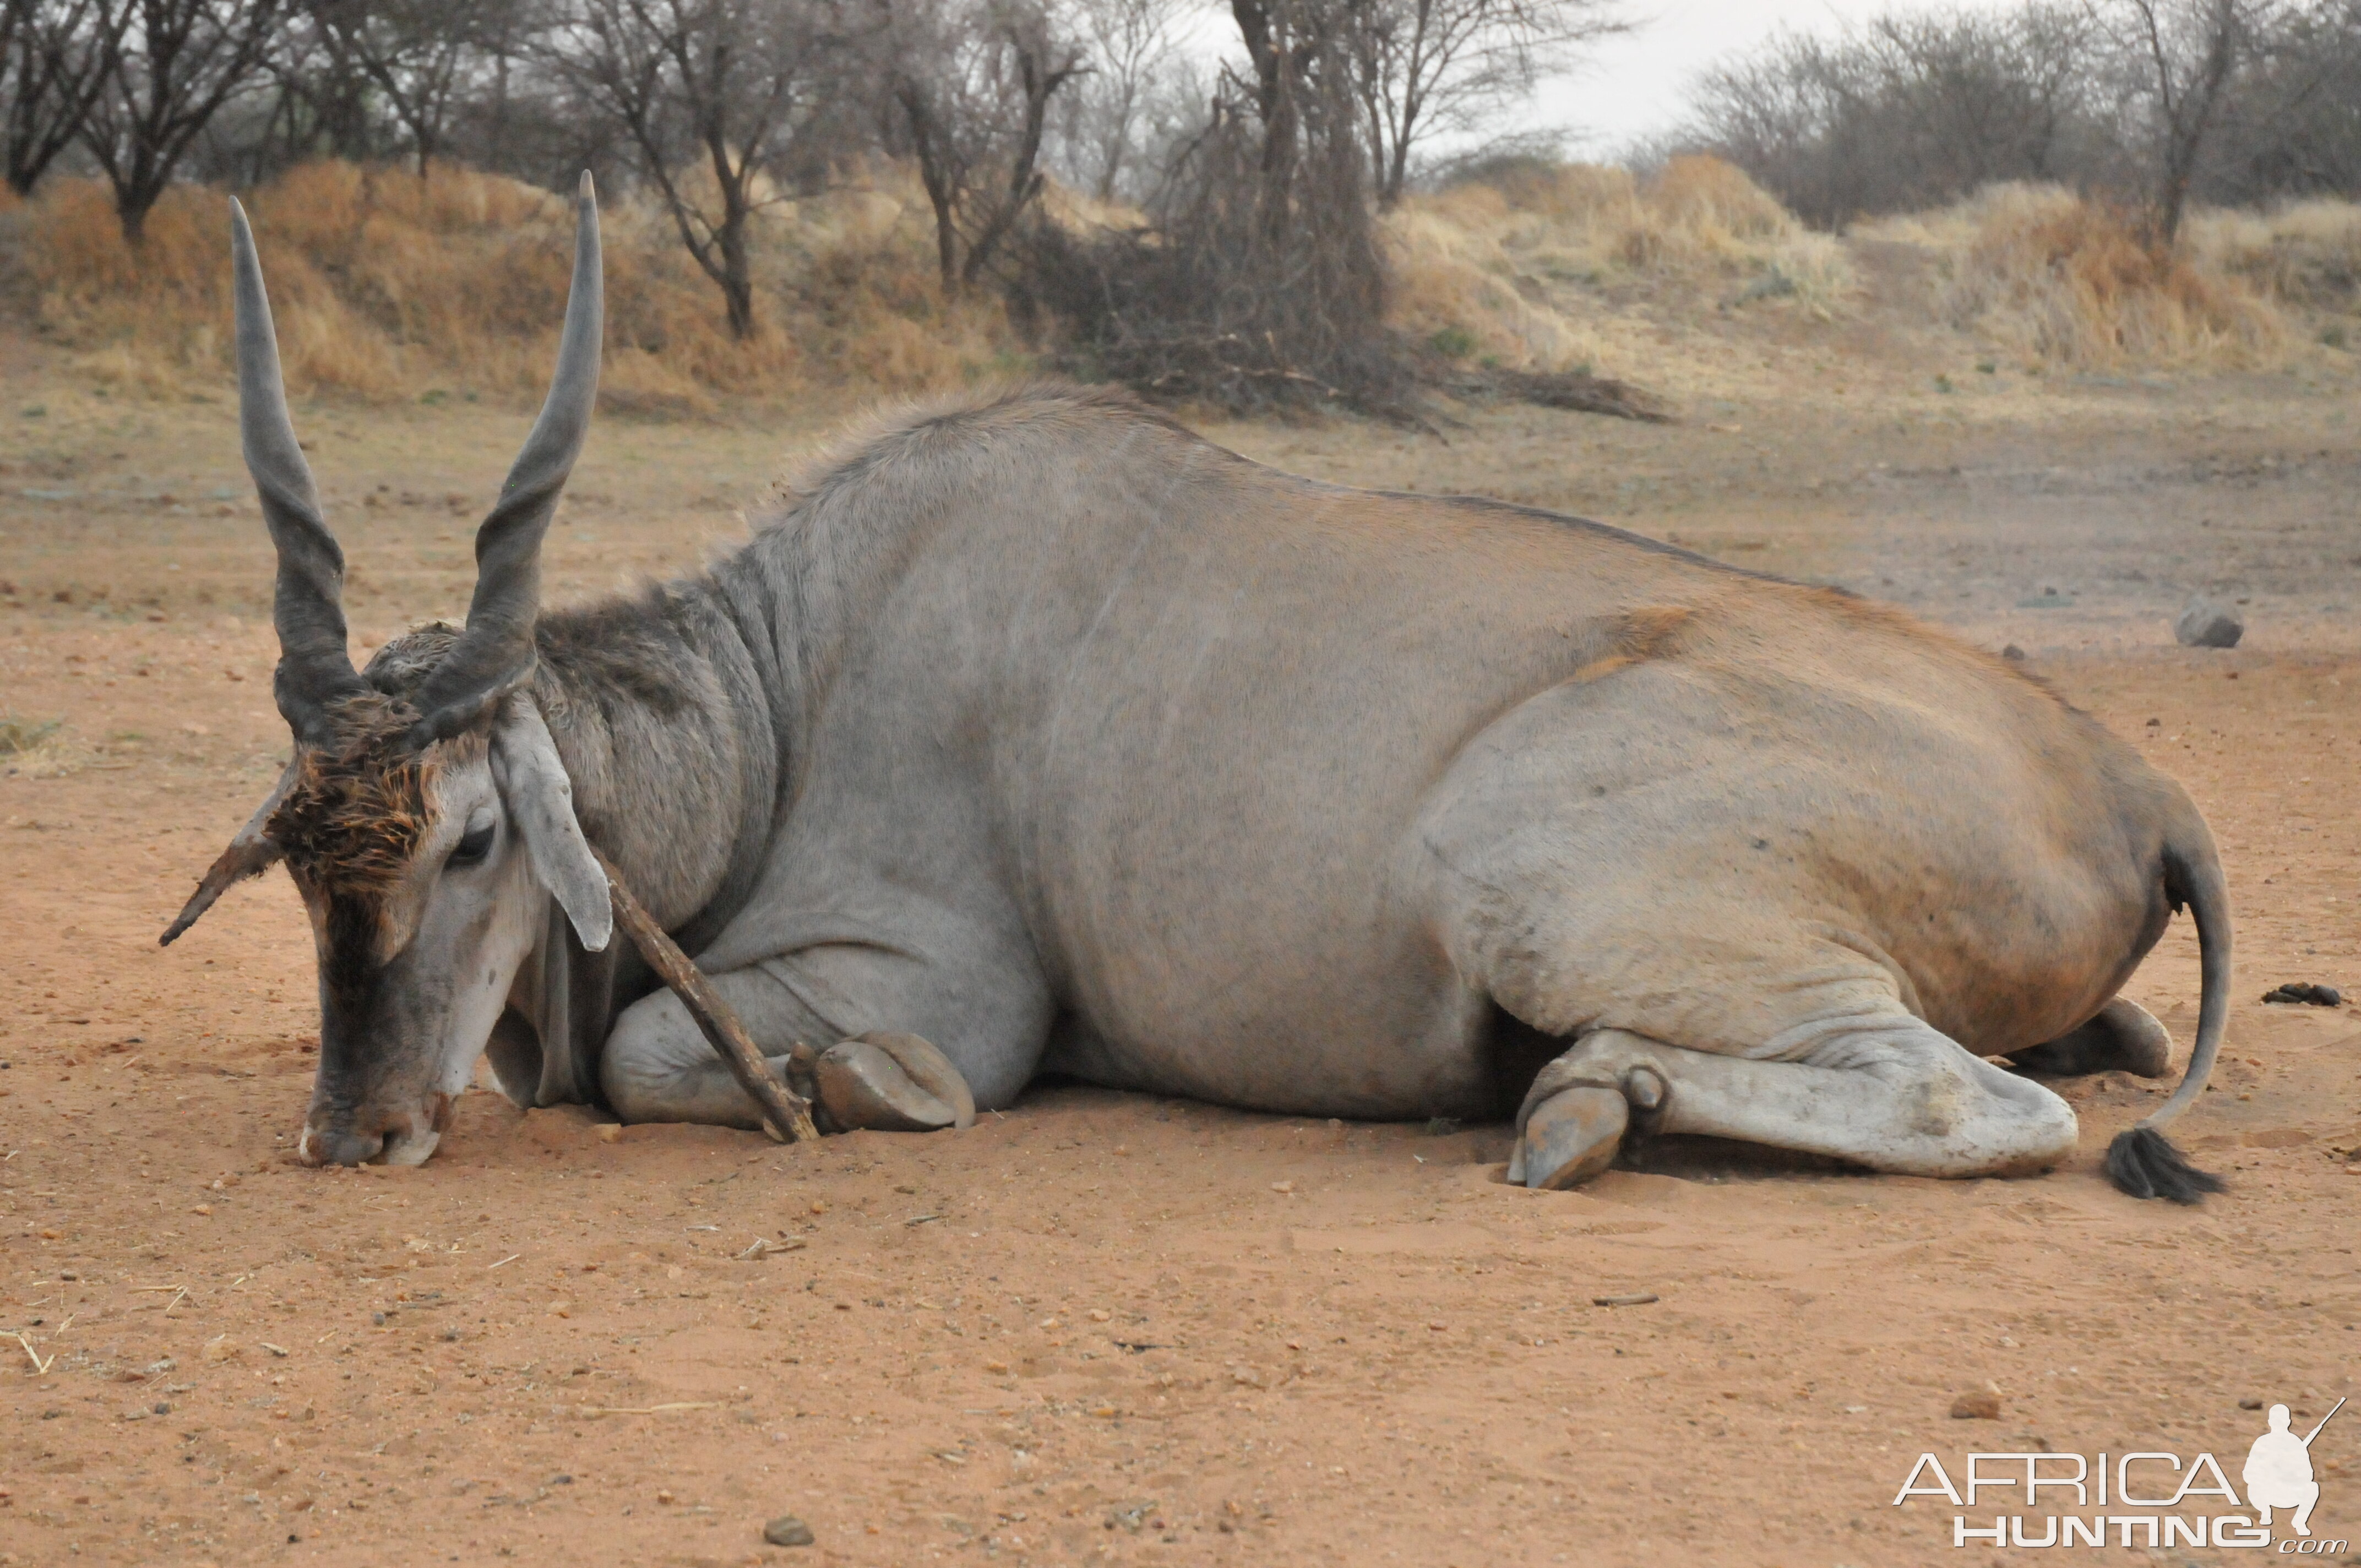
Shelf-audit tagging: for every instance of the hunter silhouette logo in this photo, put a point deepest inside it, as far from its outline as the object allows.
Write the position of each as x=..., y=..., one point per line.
x=2150, y=1500
x=2279, y=1471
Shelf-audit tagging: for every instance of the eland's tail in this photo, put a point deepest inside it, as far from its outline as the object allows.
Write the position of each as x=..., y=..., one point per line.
x=2142, y=1160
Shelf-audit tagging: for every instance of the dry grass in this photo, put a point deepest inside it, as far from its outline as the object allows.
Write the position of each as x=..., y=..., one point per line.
x=2306, y=254
x=1481, y=268
x=2050, y=277
x=386, y=286
x=36, y=747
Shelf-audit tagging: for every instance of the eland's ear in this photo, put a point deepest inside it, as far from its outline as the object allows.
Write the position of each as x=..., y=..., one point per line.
x=250, y=853
x=539, y=800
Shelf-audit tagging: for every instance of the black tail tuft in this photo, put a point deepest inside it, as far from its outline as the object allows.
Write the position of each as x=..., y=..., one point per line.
x=2143, y=1162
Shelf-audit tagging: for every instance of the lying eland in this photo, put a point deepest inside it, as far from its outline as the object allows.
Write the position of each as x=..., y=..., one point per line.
x=1043, y=730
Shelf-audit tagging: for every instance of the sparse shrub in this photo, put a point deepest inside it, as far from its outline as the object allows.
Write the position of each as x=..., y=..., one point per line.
x=1452, y=343
x=18, y=736
x=1256, y=280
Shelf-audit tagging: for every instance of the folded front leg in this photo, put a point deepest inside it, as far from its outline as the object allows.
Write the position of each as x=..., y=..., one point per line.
x=659, y=1066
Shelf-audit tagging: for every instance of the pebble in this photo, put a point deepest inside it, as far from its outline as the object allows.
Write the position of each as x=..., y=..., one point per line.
x=1632, y=1298
x=2208, y=623
x=1979, y=1405
x=2250, y=1403
x=788, y=1530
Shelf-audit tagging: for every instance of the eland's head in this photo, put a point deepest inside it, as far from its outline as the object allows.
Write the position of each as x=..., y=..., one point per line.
x=424, y=816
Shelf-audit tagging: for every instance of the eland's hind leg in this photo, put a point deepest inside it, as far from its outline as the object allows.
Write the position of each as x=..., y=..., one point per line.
x=2123, y=1037
x=1892, y=1094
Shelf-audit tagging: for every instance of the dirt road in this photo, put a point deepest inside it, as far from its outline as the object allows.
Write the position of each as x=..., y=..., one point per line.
x=1108, y=1328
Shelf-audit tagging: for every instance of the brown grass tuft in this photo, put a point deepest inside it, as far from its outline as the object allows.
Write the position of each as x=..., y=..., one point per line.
x=388, y=286
x=2040, y=272
x=2306, y=253
x=1480, y=268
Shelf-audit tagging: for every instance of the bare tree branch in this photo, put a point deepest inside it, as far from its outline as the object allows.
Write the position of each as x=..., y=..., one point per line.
x=1426, y=67
x=165, y=74
x=52, y=64
x=719, y=88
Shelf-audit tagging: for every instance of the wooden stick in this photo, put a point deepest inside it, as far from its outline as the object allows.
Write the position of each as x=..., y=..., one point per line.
x=787, y=1114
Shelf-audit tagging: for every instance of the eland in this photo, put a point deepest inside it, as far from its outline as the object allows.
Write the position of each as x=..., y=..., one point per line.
x=1034, y=733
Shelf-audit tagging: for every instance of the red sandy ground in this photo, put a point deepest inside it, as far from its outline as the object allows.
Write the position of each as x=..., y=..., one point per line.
x=1102, y=1327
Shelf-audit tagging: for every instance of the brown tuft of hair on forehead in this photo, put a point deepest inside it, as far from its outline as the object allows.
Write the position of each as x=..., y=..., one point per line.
x=358, y=807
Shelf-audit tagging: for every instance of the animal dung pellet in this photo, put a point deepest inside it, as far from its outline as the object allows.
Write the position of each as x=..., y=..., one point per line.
x=1976, y=1405
x=1629, y=1298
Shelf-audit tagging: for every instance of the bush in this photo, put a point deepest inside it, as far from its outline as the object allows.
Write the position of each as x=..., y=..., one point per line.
x=2048, y=275
x=384, y=286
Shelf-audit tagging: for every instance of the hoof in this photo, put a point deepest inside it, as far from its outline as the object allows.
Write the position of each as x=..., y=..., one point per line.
x=2142, y=1044
x=2124, y=1037
x=1570, y=1138
x=893, y=1083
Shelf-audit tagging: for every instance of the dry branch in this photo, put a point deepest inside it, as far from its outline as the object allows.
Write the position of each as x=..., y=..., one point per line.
x=1575, y=390
x=786, y=1114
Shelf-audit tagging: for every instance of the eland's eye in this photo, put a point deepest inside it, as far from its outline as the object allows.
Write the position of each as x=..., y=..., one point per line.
x=474, y=846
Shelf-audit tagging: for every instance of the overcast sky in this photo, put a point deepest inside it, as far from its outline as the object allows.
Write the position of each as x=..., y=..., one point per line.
x=1636, y=85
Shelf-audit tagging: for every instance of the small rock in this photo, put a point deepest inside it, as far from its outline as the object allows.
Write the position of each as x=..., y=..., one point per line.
x=2014, y=653
x=788, y=1530
x=2250, y=1403
x=2206, y=624
x=1979, y=1405
x=2296, y=991
x=1629, y=1298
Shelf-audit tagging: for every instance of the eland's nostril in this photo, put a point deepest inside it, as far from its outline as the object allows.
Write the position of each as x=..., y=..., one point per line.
x=342, y=1146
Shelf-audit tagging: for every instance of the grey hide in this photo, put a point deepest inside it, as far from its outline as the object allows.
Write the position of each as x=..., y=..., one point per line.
x=1042, y=728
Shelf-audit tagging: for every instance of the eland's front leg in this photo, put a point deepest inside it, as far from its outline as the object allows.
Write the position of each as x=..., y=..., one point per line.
x=1893, y=1095
x=659, y=1066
